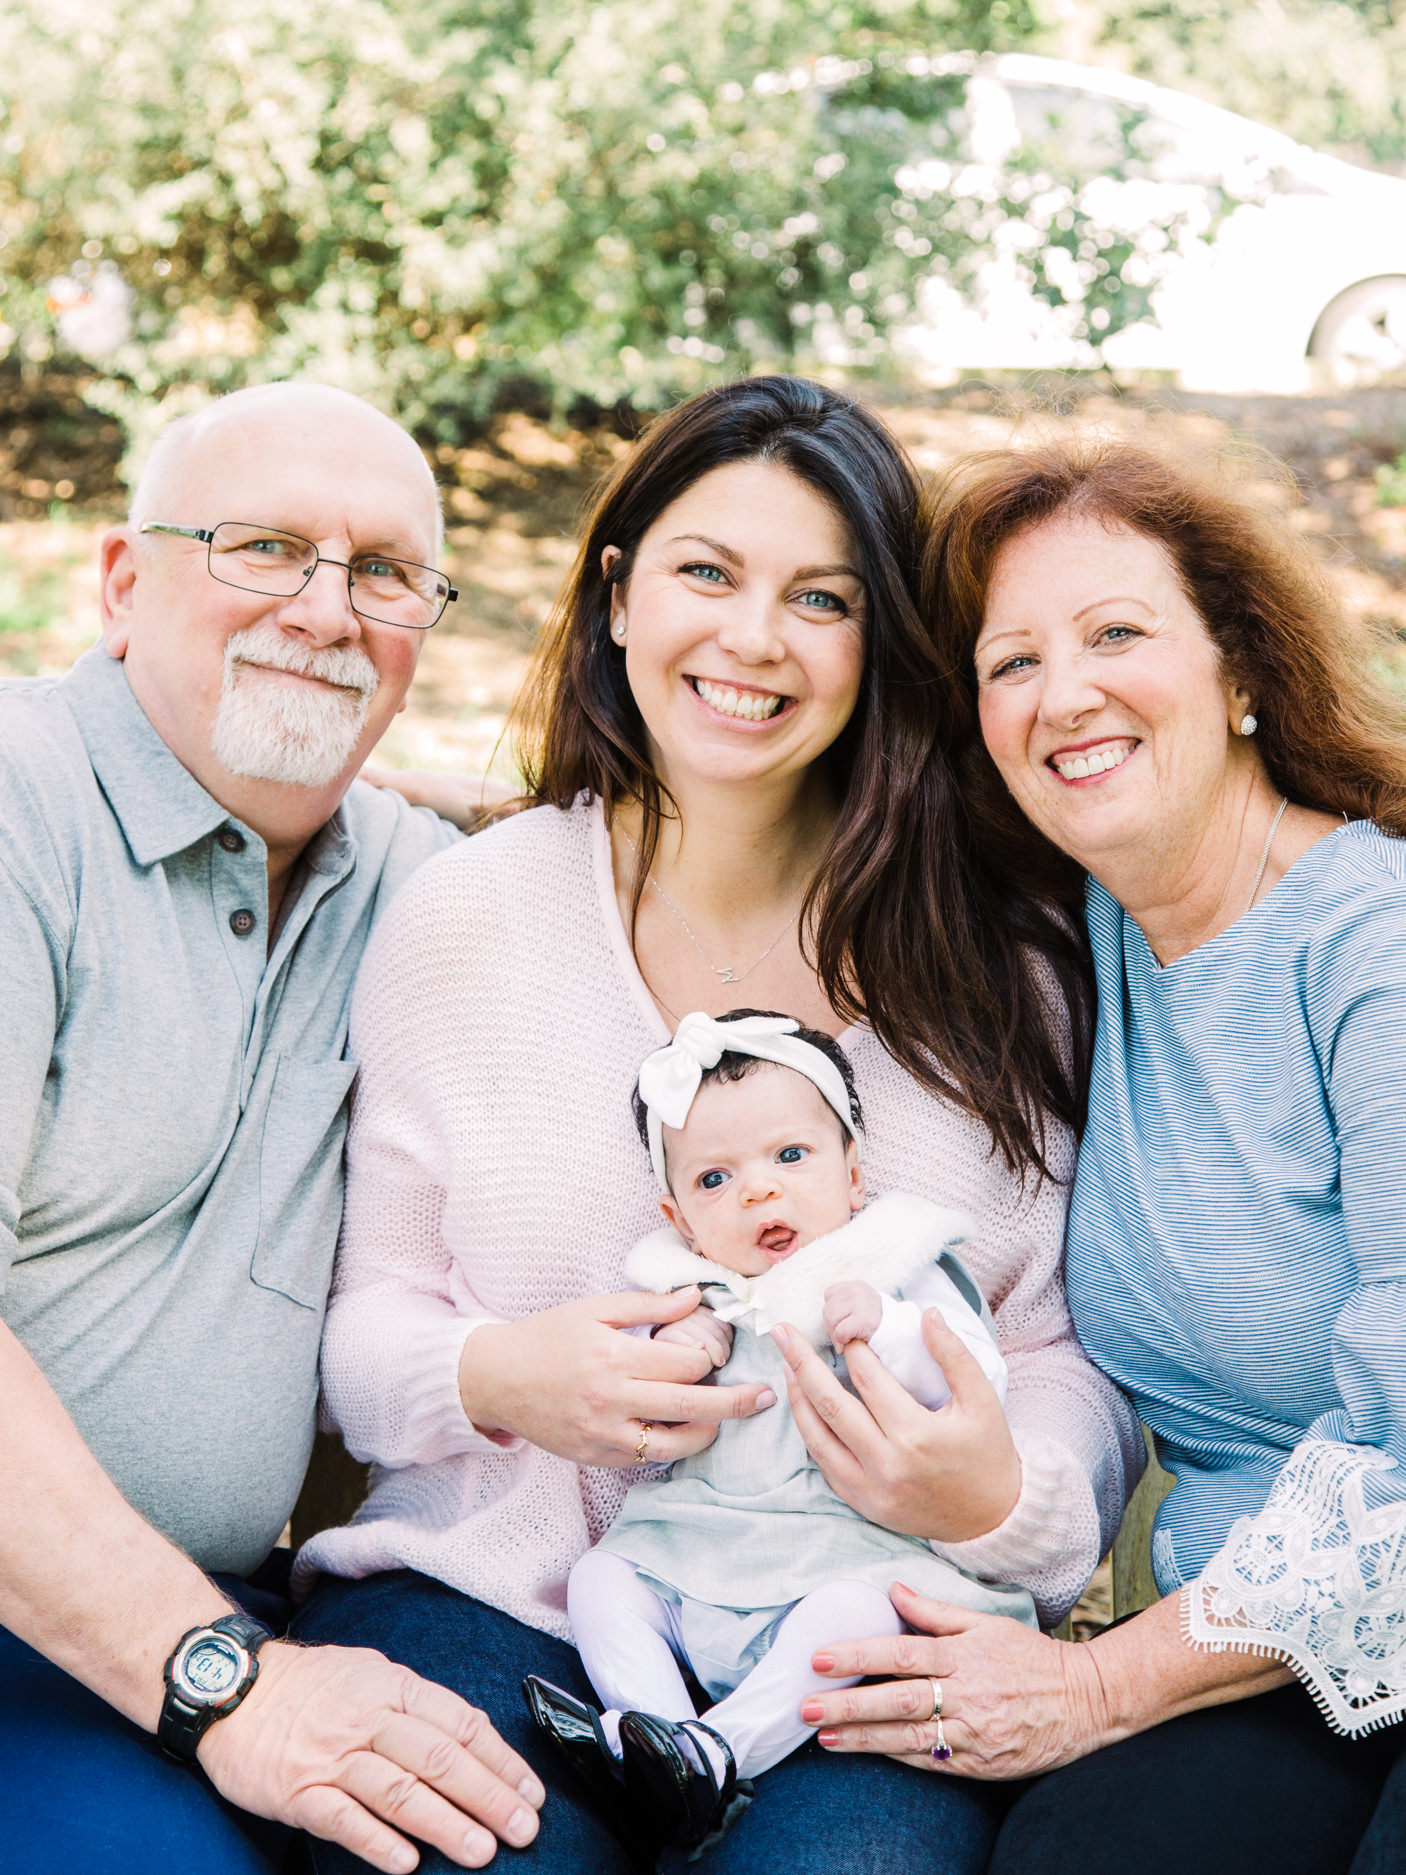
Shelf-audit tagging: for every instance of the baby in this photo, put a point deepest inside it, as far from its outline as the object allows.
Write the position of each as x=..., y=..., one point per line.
x=740, y=1562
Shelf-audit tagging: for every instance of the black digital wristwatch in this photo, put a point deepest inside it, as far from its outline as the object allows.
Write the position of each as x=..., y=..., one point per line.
x=206, y=1678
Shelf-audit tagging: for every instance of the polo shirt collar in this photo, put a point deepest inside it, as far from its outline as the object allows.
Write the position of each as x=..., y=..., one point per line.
x=160, y=806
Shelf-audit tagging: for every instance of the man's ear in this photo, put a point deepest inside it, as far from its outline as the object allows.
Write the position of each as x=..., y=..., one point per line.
x=668, y=1204
x=117, y=580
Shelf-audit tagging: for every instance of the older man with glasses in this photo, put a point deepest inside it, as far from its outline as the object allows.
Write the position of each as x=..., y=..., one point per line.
x=188, y=875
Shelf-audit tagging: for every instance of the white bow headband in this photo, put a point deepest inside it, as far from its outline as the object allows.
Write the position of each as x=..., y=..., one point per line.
x=671, y=1076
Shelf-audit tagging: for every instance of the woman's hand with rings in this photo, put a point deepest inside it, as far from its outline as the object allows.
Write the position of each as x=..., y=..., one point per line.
x=947, y=1475
x=569, y=1381
x=1004, y=1700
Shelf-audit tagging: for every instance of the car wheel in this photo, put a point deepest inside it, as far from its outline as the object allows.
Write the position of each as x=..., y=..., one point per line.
x=1361, y=335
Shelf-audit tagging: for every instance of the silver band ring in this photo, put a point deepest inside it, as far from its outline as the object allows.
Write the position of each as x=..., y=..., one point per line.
x=936, y=1712
x=642, y=1449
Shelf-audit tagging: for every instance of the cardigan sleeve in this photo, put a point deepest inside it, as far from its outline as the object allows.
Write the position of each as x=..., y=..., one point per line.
x=1318, y=1577
x=401, y=1310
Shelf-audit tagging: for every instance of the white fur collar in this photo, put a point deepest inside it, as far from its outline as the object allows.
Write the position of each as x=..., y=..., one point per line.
x=885, y=1244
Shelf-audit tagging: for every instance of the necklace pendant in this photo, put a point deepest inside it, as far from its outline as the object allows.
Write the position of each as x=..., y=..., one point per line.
x=728, y=975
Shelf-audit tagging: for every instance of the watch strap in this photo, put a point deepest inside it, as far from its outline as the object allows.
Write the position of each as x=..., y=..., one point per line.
x=183, y=1724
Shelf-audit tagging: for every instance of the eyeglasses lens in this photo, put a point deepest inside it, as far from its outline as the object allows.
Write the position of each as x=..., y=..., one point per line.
x=386, y=591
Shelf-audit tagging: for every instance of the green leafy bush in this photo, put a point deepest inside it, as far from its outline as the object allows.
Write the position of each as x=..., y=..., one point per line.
x=440, y=202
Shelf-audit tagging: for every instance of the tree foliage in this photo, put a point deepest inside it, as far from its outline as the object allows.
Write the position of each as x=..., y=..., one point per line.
x=1330, y=72
x=426, y=202
x=440, y=201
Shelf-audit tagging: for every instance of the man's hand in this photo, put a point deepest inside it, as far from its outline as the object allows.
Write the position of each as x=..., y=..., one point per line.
x=341, y=1742
x=852, y=1312
x=462, y=800
x=701, y=1330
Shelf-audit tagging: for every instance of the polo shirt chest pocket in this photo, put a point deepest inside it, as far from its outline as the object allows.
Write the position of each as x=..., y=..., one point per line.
x=300, y=1177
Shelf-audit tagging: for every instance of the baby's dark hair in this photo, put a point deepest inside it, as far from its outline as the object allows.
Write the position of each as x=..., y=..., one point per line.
x=735, y=1067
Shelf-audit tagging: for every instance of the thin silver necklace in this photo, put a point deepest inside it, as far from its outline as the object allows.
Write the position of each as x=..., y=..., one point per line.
x=1264, y=856
x=726, y=973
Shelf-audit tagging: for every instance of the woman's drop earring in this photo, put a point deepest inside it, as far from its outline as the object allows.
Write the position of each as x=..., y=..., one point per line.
x=1248, y=725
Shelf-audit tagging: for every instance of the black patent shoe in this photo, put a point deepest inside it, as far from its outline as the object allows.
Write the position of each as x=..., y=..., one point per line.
x=575, y=1729
x=679, y=1805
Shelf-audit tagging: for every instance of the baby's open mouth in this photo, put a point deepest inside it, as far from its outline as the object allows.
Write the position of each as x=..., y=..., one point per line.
x=777, y=1240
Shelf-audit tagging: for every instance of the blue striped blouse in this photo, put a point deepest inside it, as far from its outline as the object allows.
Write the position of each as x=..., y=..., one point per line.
x=1237, y=1236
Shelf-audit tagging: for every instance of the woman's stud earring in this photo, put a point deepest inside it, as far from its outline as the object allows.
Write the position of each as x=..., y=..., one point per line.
x=617, y=632
x=1248, y=725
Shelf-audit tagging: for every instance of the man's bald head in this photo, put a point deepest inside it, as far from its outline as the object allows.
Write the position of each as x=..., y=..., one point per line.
x=278, y=418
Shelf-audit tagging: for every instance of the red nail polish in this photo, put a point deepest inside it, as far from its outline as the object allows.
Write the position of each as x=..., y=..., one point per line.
x=823, y=1663
x=812, y=1712
x=828, y=1738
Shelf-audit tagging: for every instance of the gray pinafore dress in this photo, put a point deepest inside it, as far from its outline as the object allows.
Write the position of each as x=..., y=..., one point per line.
x=737, y=1534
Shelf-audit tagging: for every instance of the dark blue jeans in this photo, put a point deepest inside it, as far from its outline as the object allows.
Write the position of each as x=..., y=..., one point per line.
x=82, y=1788
x=813, y=1814
x=1258, y=1787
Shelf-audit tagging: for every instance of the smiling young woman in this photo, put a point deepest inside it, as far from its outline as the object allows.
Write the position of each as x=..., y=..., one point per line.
x=735, y=758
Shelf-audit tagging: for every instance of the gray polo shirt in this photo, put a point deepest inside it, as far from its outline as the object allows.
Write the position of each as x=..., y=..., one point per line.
x=173, y=1103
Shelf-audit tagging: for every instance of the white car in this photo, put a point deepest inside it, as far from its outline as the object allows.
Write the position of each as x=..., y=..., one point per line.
x=1309, y=264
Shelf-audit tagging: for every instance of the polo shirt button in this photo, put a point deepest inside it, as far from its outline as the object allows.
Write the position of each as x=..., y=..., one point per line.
x=231, y=841
x=242, y=922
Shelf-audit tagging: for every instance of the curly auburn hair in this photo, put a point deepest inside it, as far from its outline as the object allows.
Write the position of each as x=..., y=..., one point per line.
x=1331, y=734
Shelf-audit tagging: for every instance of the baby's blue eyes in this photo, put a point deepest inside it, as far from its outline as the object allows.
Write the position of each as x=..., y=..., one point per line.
x=710, y=1181
x=791, y=1155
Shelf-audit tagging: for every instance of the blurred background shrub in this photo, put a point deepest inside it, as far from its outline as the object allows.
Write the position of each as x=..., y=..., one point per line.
x=450, y=206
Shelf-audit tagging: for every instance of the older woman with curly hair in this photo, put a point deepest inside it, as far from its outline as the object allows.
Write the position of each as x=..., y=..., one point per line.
x=1150, y=679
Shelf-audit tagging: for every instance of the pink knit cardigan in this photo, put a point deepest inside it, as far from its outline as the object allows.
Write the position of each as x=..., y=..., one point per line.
x=494, y=1170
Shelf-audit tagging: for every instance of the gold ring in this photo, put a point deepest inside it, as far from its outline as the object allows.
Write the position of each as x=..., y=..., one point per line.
x=936, y=1712
x=642, y=1449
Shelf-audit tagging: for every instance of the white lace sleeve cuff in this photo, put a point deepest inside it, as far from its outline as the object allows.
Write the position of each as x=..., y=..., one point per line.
x=1317, y=1580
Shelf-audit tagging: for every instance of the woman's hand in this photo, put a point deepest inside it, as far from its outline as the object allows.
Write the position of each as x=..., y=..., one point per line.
x=567, y=1381
x=948, y=1475
x=1013, y=1701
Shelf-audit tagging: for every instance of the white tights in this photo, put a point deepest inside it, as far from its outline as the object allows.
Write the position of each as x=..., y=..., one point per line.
x=628, y=1639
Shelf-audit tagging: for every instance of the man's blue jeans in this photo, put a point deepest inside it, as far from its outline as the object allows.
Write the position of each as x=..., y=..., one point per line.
x=83, y=1789
x=813, y=1814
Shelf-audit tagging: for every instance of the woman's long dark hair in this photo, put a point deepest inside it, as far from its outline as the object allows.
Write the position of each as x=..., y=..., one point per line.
x=895, y=920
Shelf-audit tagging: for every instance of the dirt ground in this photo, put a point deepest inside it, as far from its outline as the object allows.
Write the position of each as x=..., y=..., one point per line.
x=514, y=497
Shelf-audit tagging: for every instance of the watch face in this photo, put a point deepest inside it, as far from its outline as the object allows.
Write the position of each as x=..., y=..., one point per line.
x=211, y=1669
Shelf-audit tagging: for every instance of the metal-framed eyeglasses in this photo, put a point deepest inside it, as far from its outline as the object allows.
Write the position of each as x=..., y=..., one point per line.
x=381, y=588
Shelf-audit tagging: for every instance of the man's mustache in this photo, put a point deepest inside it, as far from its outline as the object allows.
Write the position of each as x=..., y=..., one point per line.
x=343, y=665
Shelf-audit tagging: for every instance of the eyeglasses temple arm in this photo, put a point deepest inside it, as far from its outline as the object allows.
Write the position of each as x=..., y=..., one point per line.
x=170, y=527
